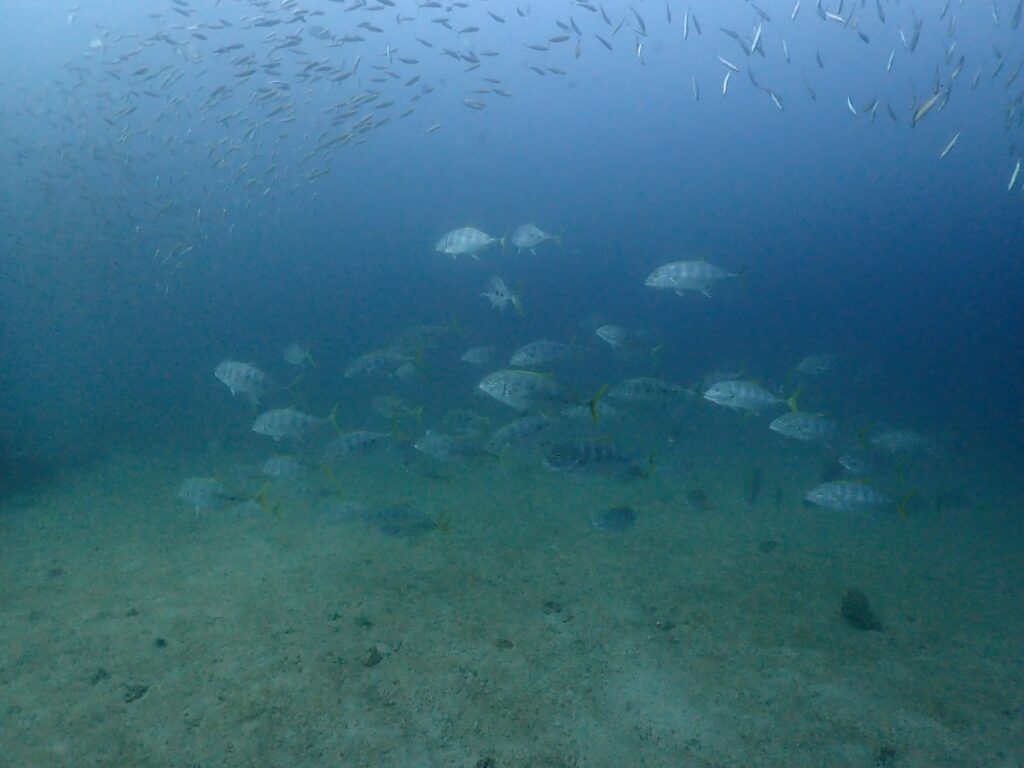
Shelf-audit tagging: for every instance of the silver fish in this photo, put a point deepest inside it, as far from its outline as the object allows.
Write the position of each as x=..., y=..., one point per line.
x=478, y=356
x=378, y=361
x=848, y=496
x=446, y=447
x=529, y=236
x=647, y=389
x=818, y=365
x=296, y=354
x=614, y=335
x=288, y=422
x=353, y=442
x=743, y=395
x=206, y=493
x=500, y=295
x=245, y=378
x=808, y=427
x=538, y=353
x=522, y=390
x=592, y=455
x=466, y=241
x=903, y=441
x=279, y=467
x=682, y=276
x=516, y=430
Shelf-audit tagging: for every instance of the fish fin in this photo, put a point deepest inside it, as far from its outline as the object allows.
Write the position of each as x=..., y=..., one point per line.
x=705, y=291
x=502, y=242
x=296, y=381
x=518, y=305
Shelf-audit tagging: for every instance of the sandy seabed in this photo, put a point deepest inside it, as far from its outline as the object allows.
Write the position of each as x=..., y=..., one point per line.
x=134, y=632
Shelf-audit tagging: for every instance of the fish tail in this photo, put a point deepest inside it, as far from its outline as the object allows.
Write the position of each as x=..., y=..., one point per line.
x=559, y=237
x=332, y=417
x=650, y=467
x=502, y=242
x=518, y=304
x=328, y=473
x=260, y=497
x=592, y=403
x=456, y=327
x=791, y=401
x=902, y=501
x=862, y=435
x=396, y=429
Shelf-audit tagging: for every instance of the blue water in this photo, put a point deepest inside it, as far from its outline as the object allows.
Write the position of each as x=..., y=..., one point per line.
x=160, y=212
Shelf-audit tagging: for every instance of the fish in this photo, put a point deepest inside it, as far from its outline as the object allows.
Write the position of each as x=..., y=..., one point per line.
x=613, y=520
x=288, y=422
x=848, y=496
x=903, y=441
x=279, y=467
x=539, y=353
x=375, y=362
x=529, y=236
x=518, y=429
x=478, y=356
x=500, y=295
x=681, y=276
x=744, y=395
x=926, y=106
x=859, y=461
x=400, y=521
x=206, y=493
x=296, y=354
x=522, y=390
x=245, y=378
x=353, y=442
x=806, y=427
x=442, y=447
x=818, y=365
x=952, y=142
x=466, y=241
x=647, y=389
x=589, y=455
x=614, y=335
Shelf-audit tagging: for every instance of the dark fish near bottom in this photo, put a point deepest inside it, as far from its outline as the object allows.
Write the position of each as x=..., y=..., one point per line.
x=614, y=520
x=401, y=521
